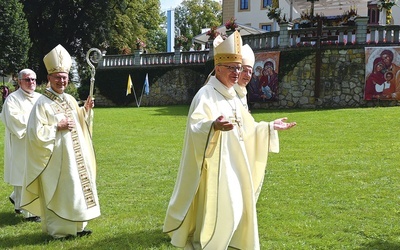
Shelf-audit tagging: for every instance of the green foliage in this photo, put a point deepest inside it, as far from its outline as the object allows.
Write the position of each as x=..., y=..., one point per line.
x=334, y=184
x=80, y=25
x=194, y=15
x=77, y=25
x=156, y=41
x=14, y=37
x=134, y=19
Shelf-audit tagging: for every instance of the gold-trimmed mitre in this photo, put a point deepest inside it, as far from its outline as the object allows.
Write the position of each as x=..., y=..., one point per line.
x=248, y=58
x=228, y=50
x=57, y=60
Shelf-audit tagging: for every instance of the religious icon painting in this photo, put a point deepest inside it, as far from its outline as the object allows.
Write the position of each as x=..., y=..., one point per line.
x=382, y=73
x=263, y=86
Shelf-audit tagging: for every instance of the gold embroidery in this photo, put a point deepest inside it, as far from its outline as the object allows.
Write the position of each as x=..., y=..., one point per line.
x=61, y=106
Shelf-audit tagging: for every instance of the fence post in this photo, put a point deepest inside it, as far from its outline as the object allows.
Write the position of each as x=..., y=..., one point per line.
x=137, y=53
x=284, y=35
x=361, y=31
x=177, y=55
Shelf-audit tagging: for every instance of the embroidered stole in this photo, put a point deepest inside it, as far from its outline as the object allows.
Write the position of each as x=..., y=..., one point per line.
x=82, y=169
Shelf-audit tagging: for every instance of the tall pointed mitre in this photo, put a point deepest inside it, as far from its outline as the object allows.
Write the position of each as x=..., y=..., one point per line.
x=58, y=60
x=228, y=50
x=248, y=58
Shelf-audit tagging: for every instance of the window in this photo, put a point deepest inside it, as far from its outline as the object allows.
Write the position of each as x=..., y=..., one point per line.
x=244, y=4
x=373, y=13
x=266, y=27
x=266, y=3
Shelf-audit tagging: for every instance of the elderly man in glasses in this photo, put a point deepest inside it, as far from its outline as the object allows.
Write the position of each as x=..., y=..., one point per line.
x=15, y=114
x=213, y=205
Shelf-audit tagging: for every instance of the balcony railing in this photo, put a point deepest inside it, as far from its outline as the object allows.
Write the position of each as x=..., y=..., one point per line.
x=360, y=33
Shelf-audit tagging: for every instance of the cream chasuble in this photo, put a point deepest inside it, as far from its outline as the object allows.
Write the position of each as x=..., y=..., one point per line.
x=62, y=167
x=213, y=204
x=242, y=94
x=15, y=114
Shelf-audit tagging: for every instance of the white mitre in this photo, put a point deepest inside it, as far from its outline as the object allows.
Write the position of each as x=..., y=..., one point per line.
x=228, y=50
x=58, y=60
x=248, y=58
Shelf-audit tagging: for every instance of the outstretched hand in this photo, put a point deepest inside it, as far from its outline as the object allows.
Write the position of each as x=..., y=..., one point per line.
x=221, y=124
x=280, y=124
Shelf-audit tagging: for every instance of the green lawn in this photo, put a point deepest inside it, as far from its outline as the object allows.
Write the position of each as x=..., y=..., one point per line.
x=334, y=185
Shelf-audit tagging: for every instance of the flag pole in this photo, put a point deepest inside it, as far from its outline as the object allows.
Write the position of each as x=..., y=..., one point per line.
x=145, y=88
x=91, y=60
x=140, y=100
x=134, y=94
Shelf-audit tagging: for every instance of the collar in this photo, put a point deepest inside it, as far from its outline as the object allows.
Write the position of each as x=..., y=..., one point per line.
x=228, y=93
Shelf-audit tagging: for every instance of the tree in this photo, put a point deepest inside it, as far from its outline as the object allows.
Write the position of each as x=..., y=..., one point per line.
x=194, y=15
x=79, y=25
x=75, y=24
x=135, y=19
x=14, y=37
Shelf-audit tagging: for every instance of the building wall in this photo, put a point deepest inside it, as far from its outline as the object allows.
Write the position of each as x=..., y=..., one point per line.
x=228, y=9
x=257, y=16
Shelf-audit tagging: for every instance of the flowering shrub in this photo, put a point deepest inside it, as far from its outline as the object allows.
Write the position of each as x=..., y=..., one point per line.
x=386, y=4
x=104, y=45
x=349, y=16
x=140, y=44
x=275, y=13
x=212, y=33
x=179, y=40
x=231, y=24
x=126, y=50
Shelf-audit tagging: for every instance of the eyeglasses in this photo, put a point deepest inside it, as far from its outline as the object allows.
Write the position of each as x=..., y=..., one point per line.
x=232, y=68
x=29, y=79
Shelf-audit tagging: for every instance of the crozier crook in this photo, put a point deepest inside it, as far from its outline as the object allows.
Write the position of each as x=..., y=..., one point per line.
x=91, y=60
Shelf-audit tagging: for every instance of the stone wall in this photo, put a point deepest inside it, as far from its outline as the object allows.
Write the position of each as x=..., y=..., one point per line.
x=342, y=84
x=175, y=86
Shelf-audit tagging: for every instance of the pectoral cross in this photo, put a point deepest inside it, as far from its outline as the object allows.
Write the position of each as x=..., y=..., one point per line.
x=237, y=121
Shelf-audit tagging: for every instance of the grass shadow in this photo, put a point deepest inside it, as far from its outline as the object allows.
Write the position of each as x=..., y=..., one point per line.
x=23, y=240
x=380, y=245
x=146, y=239
x=10, y=219
x=178, y=110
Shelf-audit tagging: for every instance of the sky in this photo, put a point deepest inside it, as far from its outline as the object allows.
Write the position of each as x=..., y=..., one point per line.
x=167, y=4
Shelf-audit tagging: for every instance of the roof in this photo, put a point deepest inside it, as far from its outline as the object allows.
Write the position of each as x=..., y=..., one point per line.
x=243, y=29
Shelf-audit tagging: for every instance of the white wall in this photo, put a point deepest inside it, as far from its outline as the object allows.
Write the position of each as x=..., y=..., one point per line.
x=257, y=16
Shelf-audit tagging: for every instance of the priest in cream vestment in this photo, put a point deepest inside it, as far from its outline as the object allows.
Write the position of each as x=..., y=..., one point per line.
x=248, y=60
x=213, y=205
x=60, y=179
x=14, y=115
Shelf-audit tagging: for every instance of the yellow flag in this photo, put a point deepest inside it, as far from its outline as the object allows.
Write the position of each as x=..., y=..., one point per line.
x=129, y=86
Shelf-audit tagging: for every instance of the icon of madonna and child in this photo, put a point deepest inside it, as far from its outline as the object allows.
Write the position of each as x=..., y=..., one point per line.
x=382, y=81
x=263, y=86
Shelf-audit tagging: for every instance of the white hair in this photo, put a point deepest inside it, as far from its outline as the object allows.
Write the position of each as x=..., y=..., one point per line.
x=25, y=72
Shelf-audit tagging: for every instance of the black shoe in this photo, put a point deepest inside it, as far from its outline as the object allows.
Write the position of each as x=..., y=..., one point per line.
x=33, y=219
x=18, y=211
x=84, y=233
x=11, y=200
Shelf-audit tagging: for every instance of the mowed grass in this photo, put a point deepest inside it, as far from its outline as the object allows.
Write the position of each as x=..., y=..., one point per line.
x=334, y=185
